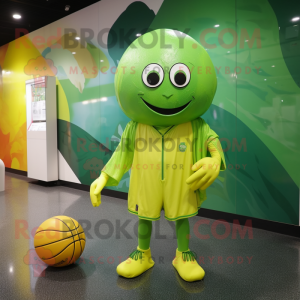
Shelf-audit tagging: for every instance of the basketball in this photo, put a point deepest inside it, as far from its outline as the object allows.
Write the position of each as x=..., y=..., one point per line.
x=59, y=241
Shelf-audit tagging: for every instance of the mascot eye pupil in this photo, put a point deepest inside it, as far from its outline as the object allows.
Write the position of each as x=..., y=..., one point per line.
x=153, y=75
x=153, y=78
x=180, y=78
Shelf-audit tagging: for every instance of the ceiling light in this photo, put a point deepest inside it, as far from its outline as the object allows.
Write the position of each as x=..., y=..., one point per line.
x=67, y=7
x=17, y=16
x=73, y=52
x=295, y=19
x=103, y=99
x=101, y=60
x=217, y=25
x=77, y=38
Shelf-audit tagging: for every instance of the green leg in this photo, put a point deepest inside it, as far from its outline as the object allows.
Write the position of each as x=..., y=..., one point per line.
x=183, y=232
x=144, y=234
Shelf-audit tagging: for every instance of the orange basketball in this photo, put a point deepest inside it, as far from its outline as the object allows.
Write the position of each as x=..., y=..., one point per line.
x=59, y=241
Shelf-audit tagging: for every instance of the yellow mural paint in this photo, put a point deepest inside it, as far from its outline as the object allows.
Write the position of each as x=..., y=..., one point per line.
x=15, y=164
x=63, y=112
x=12, y=102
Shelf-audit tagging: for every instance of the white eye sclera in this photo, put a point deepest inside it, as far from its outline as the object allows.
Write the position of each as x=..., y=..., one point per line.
x=153, y=75
x=180, y=75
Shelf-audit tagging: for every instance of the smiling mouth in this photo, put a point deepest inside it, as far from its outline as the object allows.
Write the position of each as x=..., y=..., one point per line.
x=166, y=111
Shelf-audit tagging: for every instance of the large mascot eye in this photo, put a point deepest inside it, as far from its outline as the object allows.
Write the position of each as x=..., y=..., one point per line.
x=153, y=75
x=180, y=75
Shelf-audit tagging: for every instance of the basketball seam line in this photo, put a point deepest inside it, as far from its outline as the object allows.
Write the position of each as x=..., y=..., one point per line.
x=72, y=236
x=62, y=251
x=63, y=222
x=60, y=240
x=56, y=230
x=77, y=234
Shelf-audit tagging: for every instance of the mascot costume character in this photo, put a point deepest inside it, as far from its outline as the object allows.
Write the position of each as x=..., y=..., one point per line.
x=165, y=82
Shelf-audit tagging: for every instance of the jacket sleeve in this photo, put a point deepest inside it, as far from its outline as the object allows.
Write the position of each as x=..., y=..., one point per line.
x=122, y=158
x=213, y=144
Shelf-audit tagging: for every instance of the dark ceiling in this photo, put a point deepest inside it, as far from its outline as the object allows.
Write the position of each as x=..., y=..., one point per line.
x=35, y=14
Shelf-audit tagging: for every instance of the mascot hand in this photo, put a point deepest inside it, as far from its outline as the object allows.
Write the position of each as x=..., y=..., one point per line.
x=96, y=188
x=206, y=171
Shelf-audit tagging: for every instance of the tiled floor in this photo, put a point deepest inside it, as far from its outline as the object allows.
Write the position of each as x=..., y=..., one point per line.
x=266, y=266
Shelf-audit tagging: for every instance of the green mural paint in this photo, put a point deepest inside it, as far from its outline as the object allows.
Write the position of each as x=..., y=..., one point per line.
x=136, y=19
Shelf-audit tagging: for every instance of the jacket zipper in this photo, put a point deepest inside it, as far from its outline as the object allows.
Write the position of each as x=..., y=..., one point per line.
x=162, y=157
x=162, y=151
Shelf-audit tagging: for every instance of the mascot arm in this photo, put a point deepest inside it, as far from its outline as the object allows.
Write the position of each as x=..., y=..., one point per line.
x=96, y=188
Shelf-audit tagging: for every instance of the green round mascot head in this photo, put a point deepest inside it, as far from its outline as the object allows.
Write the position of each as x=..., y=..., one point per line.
x=165, y=78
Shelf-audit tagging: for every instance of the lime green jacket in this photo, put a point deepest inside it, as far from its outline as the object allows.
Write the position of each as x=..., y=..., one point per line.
x=123, y=156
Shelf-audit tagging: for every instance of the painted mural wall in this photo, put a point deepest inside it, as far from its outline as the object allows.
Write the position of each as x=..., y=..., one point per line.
x=255, y=49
